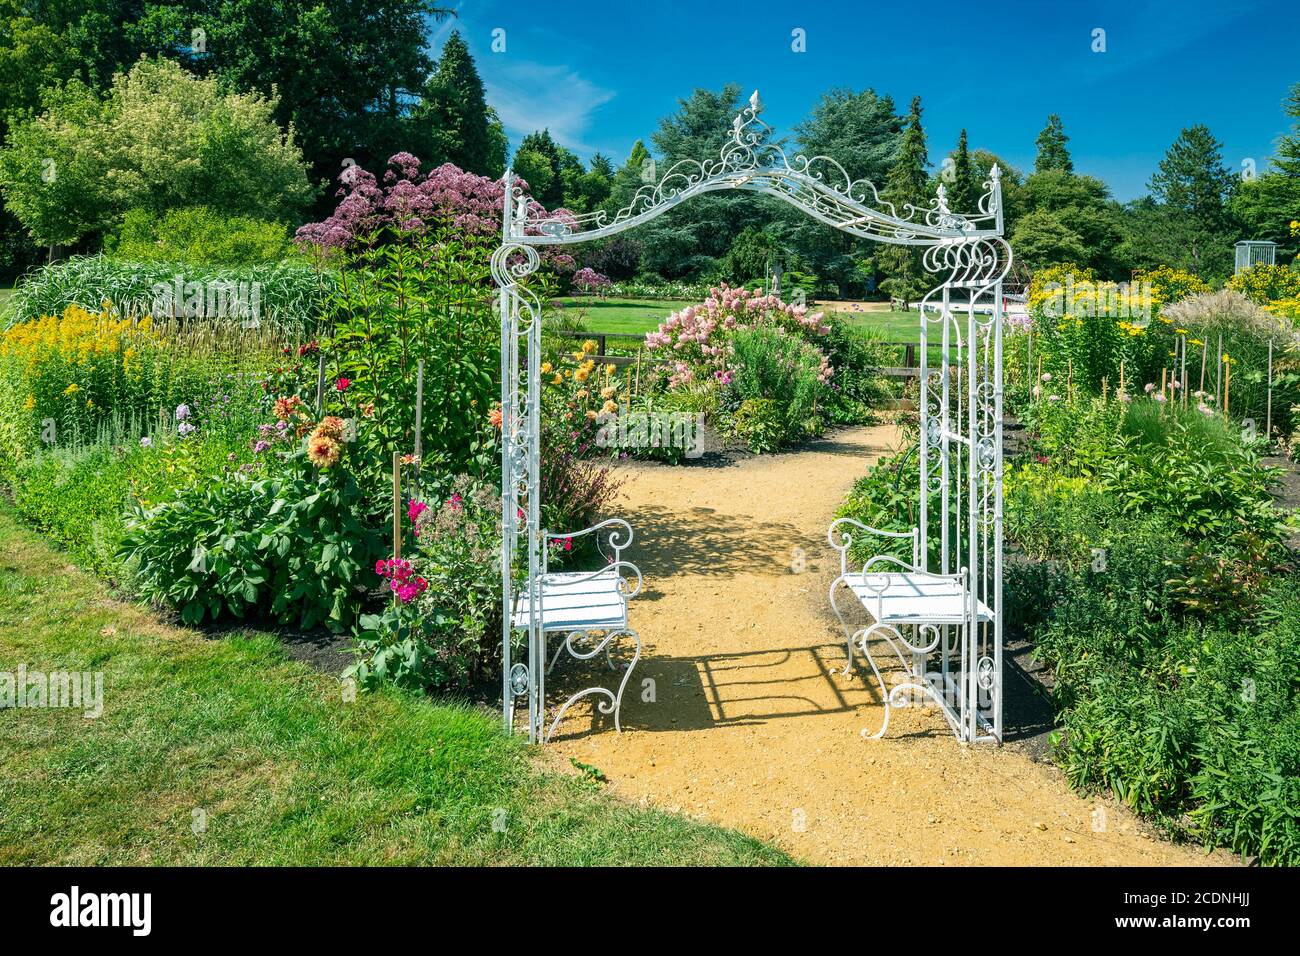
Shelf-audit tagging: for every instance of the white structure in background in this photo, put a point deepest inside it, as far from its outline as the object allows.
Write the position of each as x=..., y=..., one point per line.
x=1253, y=252
x=949, y=591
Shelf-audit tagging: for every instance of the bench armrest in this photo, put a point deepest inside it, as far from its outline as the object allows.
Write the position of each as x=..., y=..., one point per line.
x=840, y=536
x=617, y=540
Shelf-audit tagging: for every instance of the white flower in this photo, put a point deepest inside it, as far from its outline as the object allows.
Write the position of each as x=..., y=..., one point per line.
x=146, y=442
x=182, y=412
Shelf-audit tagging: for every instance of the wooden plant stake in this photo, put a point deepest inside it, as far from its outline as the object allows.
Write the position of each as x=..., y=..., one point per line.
x=320, y=385
x=419, y=419
x=1182, y=374
x=1205, y=351
x=397, y=505
x=1268, y=413
x=1218, y=371
x=1227, y=384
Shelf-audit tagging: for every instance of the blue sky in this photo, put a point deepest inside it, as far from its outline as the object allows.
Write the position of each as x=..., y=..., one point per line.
x=600, y=76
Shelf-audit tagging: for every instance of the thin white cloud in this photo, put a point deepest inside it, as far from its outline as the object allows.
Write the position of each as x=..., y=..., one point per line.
x=529, y=96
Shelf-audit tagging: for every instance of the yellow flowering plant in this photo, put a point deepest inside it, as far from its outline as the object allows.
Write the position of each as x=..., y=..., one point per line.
x=579, y=391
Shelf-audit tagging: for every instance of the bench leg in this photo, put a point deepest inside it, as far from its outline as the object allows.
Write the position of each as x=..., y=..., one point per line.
x=613, y=703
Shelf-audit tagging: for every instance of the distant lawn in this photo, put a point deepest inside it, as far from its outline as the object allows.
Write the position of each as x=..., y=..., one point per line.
x=644, y=315
x=892, y=325
x=621, y=315
x=224, y=752
x=6, y=293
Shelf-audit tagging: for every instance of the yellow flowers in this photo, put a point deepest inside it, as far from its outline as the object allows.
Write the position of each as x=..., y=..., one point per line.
x=72, y=389
x=77, y=335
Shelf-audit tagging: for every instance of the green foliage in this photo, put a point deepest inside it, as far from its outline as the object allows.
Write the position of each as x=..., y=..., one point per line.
x=290, y=295
x=1211, y=490
x=290, y=543
x=419, y=296
x=857, y=387
x=777, y=379
x=761, y=423
x=1191, y=189
x=1067, y=218
x=959, y=178
x=462, y=128
x=200, y=235
x=450, y=635
x=1157, y=593
x=345, y=75
x=1172, y=715
x=1052, y=154
x=79, y=494
x=862, y=131
x=1267, y=283
x=751, y=257
x=158, y=139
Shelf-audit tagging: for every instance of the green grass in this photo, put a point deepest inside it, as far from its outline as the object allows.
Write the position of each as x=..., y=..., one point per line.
x=620, y=315
x=644, y=315
x=893, y=326
x=283, y=770
x=6, y=294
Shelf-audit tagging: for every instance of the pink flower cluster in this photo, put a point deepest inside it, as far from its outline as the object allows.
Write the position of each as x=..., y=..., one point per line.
x=407, y=200
x=588, y=279
x=402, y=579
x=696, y=335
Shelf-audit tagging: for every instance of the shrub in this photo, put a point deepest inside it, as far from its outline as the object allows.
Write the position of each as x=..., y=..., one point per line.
x=1209, y=491
x=1170, y=285
x=200, y=235
x=426, y=296
x=590, y=281
x=446, y=200
x=288, y=539
x=1266, y=283
x=79, y=495
x=785, y=373
x=761, y=422
x=857, y=355
x=157, y=139
x=444, y=629
x=617, y=257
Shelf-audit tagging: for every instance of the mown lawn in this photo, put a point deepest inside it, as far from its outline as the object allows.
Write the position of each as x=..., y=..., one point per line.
x=620, y=315
x=644, y=315
x=225, y=752
x=6, y=293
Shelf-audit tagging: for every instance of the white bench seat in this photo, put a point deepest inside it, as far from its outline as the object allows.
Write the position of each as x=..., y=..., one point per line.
x=913, y=598
x=576, y=601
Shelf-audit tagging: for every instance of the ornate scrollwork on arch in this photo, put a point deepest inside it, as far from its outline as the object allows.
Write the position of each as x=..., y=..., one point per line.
x=750, y=160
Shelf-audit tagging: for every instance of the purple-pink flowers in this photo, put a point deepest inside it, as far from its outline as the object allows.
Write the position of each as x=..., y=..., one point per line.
x=407, y=200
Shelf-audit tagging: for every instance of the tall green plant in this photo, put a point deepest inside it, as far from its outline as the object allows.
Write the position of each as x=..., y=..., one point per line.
x=405, y=298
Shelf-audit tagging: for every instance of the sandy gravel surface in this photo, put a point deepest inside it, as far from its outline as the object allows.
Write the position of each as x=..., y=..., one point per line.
x=754, y=724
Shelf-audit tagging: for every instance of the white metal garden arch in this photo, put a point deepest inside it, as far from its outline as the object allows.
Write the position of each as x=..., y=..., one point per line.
x=939, y=610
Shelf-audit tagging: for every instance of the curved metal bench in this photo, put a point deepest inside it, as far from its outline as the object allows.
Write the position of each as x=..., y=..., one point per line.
x=897, y=595
x=589, y=608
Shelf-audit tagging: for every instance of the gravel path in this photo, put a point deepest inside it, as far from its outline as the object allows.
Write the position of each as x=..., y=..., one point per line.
x=752, y=722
